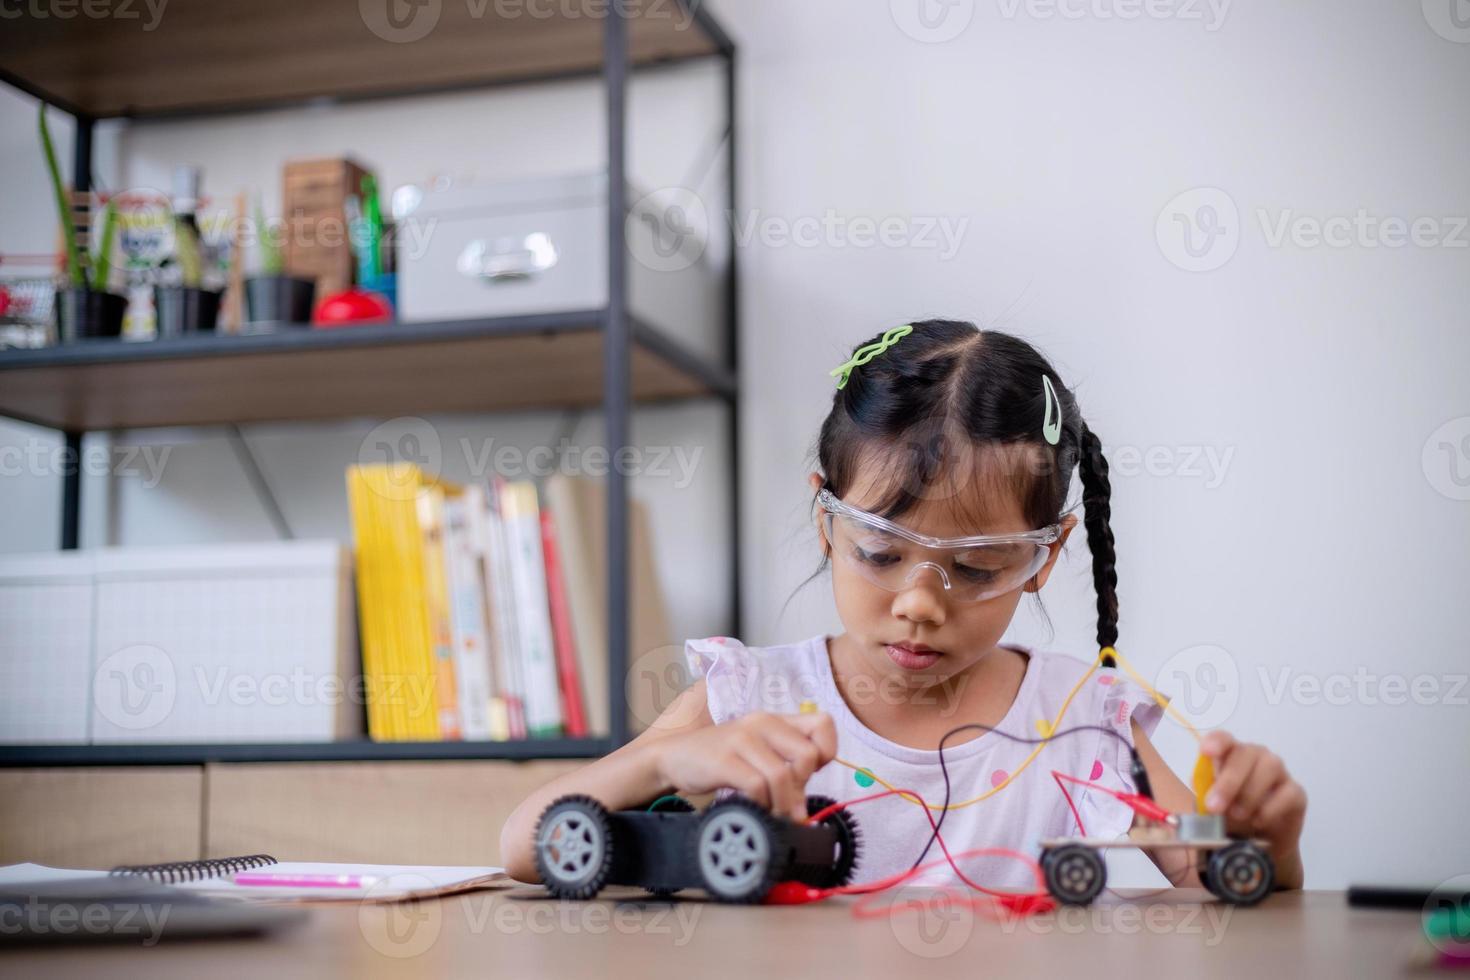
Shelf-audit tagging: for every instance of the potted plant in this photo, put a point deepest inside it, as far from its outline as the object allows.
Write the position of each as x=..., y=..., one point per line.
x=186, y=307
x=273, y=296
x=84, y=307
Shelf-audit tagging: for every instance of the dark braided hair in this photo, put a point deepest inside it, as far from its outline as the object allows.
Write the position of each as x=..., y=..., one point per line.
x=1097, y=494
x=950, y=395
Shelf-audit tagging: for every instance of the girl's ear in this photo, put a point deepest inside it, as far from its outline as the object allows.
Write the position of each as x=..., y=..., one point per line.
x=1039, y=579
x=816, y=481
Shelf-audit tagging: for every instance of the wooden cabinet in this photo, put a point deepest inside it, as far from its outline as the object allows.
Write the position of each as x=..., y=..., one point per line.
x=99, y=817
x=375, y=812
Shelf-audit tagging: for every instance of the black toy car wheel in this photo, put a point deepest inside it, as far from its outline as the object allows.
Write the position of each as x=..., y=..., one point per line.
x=1239, y=873
x=1075, y=873
x=849, y=845
x=574, y=847
x=740, y=851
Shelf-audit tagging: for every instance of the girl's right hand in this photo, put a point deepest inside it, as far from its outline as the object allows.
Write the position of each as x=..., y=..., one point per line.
x=767, y=757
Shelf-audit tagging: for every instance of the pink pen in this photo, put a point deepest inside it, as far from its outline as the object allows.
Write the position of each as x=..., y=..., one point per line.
x=265, y=878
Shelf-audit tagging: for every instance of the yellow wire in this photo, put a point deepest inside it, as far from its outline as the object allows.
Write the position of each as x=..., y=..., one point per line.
x=1163, y=702
x=1014, y=773
x=1067, y=703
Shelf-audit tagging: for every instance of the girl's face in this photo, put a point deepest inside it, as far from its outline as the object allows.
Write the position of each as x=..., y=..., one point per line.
x=920, y=636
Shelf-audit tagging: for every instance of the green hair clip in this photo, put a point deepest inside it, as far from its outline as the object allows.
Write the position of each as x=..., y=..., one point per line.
x=870, y=351
x=1051, y=429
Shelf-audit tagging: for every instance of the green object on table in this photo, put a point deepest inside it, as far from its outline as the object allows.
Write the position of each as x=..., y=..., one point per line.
x=1449, y=922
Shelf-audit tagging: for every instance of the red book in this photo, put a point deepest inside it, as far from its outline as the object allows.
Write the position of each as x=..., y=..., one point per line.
x=561, y=631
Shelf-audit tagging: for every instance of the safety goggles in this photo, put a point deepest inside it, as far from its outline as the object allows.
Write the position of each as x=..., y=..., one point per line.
x=971, y=568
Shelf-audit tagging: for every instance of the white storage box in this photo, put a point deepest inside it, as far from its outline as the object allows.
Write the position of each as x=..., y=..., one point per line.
x=540, y=246
x=223, y=643
x=45, y=647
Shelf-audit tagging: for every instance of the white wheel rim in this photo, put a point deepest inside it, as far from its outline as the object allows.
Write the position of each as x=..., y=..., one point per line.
x=572, y=845
x=734, y=852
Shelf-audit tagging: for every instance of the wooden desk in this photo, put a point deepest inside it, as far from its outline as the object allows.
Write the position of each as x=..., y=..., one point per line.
x=516, y=933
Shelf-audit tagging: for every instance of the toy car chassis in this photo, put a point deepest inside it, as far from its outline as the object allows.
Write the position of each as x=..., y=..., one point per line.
x=735, y=850
x=1236, y=871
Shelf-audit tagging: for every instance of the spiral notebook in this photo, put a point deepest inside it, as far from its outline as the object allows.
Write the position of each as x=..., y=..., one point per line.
x=260, y=876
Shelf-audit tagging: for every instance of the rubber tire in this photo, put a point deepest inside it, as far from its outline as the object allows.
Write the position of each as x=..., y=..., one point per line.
x=600, y=823
x=776, y=850
x=1058, y=864
x=849, y=844
x=1222, y=868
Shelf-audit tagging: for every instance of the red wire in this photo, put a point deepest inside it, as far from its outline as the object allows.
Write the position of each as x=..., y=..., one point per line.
x=1068, y=797
x=1018, y=898
x=1141, y=805
x=1022, y=903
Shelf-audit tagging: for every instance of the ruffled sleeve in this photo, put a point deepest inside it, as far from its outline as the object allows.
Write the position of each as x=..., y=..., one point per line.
x=1121, y=703
x=727, y=668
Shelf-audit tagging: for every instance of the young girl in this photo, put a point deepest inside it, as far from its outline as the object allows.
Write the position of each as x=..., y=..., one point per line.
x=945, y=463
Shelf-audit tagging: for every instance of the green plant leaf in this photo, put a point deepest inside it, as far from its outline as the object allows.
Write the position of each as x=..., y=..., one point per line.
x=63, y=206
x=102, y=262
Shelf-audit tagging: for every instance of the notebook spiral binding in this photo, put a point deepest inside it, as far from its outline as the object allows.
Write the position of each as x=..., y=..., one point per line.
x=176, y=871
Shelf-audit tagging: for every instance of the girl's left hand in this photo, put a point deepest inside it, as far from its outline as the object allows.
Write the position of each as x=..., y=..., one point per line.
x=1259, y=799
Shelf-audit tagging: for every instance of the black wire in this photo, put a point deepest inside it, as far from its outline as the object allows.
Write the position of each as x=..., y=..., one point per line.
x=944, y=769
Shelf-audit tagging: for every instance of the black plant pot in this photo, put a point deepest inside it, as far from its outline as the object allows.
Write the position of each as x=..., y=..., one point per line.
x=88, y=314
x=279, y=299
x=183, y=309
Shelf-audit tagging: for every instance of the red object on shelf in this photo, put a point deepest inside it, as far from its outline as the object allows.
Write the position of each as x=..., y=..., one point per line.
x=352, y=307
x=564, y=642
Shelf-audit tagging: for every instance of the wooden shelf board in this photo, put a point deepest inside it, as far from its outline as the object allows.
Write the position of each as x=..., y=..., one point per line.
x=519, y=363
x=205, y=56
x=363, y=750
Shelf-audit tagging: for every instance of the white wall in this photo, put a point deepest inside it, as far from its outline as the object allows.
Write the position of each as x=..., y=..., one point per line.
x=1324, y=546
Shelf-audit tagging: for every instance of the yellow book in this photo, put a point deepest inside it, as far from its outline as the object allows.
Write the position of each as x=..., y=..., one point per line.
x=416, y=650
x=373, y=625
x=366, y=594
x=393, y=605
x=385, y=486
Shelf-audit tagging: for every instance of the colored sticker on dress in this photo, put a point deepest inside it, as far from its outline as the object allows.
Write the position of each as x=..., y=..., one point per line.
x=862, y=777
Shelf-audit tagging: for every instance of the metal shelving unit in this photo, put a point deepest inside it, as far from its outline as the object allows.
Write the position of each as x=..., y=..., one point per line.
x=598, y=356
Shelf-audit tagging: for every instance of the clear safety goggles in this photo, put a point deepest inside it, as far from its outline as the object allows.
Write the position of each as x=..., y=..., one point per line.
x=971, y=568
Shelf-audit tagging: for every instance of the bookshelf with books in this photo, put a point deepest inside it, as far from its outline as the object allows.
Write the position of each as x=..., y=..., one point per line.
x=577, y=545
x=471, y=627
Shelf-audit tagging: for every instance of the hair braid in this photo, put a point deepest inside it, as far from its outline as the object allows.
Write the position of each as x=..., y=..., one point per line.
x=1098, y=510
